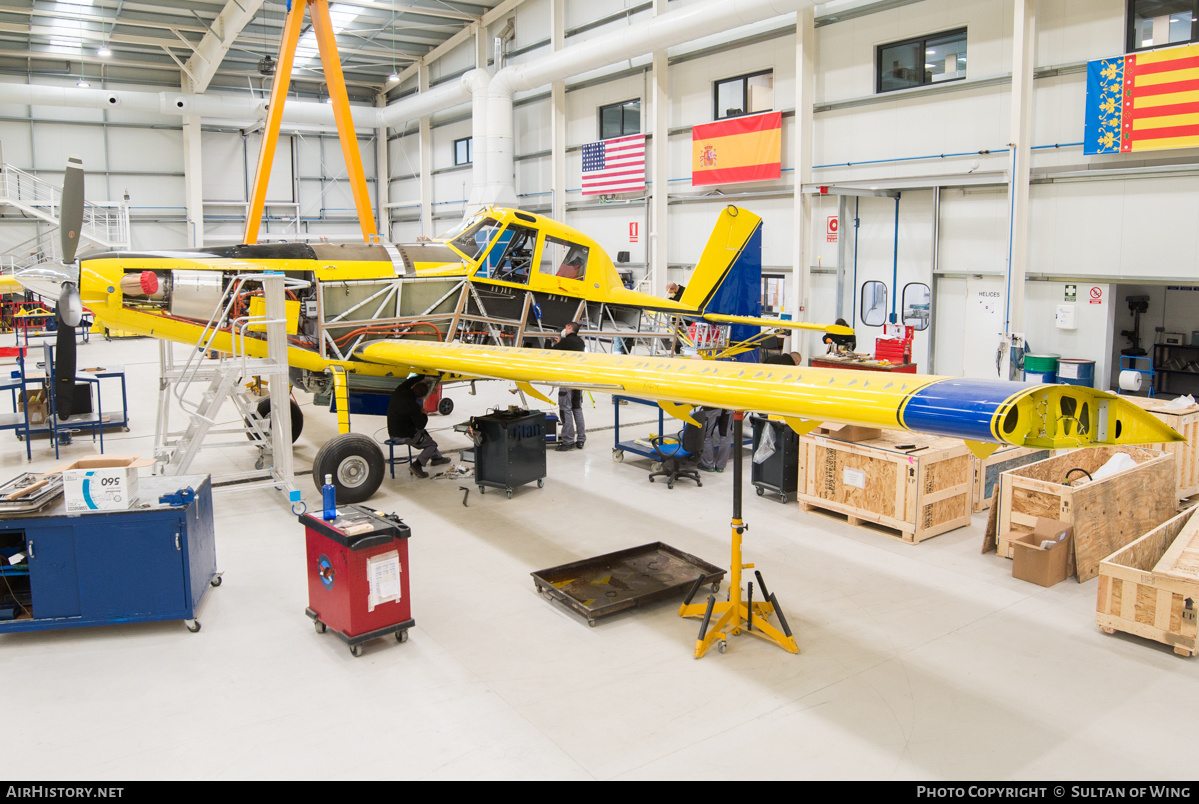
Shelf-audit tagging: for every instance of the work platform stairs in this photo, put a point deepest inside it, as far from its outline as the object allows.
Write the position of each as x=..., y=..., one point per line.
x=106, y=225
x=202, y=383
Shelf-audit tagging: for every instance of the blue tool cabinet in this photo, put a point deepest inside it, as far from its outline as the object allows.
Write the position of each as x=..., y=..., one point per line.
x=140, y=565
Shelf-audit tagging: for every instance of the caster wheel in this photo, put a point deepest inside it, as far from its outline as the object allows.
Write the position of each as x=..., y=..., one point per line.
x=217, y=581
x=723, y=646
x=591, y=623
x=656, y=466
x=541, y=483
x=445, y=407
x=508, y=494
x=481, y=490
x=716, y=587
x=402, y=636
x=618, y=455
x=651, y=480
x=258, y=464
x=761, y=491
x=1105, y=629
x=699, y=484
x=192, y=625
x=319, y=626
x=670, y=485
x=537, y=586
x=355, y=651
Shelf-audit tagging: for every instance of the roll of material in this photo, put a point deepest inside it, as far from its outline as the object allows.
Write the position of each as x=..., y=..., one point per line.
x=1130, y=380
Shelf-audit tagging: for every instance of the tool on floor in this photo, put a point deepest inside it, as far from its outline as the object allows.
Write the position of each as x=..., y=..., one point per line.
x=464, y=496
x=735, y=614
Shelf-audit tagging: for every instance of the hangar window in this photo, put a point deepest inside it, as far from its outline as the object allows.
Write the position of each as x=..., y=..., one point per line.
x=922, y=60
x=464, y=151
x=1156, y=23
x=874, y=304
x=620, y=119
x=745, y=94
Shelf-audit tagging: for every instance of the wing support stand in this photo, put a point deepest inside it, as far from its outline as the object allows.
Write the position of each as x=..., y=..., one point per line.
x=735, y=615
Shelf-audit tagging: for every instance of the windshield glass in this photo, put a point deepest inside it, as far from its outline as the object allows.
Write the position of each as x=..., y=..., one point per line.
x=474, y=239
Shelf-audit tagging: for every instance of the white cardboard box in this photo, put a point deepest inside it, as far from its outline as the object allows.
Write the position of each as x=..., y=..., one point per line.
x=102, y=483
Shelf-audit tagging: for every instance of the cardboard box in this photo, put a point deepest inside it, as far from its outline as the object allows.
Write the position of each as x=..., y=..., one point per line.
x=101, y=483
x=1047, y=565
x=35, y=403
x=848, y=432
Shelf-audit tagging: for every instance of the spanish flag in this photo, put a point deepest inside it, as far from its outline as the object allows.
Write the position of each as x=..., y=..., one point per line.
x=741, y=149
x=1143, y=102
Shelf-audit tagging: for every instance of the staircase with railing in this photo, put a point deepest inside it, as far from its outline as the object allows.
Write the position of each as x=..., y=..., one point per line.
x=106, y=225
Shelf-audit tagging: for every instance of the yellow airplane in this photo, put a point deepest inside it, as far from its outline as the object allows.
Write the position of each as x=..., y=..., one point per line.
x=382, y=312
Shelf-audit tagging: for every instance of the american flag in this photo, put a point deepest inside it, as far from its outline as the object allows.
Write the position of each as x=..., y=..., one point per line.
x=614, y=166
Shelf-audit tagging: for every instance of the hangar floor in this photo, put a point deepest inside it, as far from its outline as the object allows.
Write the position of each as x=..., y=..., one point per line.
x=917, y=662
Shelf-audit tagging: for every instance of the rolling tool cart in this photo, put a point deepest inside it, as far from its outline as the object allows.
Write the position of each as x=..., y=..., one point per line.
x=358, y=575
x=778, y=474
x=509, y=449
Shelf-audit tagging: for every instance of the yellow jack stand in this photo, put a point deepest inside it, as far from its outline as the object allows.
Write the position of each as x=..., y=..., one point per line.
x=736, y=615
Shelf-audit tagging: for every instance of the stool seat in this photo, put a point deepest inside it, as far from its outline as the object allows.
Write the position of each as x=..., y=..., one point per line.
x=392, y=460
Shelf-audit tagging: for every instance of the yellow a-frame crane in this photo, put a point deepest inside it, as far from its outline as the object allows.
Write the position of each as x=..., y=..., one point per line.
x=322, y=26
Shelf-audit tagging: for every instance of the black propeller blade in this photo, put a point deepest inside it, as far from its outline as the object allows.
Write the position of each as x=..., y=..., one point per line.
x=69, y=311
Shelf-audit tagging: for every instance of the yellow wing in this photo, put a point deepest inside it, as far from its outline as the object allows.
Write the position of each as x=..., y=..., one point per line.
x=776, y=323
x=979, y=411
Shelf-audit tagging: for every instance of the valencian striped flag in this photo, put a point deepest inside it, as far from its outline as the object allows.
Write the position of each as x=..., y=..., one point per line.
x=1143, y=102
x=741, y=149
x=614, y=166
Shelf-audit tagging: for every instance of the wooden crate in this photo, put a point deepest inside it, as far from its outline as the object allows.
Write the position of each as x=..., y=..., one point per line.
x=1186, y=454
x=1151, y=587
x=918, y=494
x=1106, y=514
x=988, y=470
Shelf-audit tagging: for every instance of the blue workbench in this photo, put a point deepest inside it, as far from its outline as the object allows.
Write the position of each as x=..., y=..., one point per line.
x=141, y=565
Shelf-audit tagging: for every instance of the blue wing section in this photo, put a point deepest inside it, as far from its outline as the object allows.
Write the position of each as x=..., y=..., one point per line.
x=959, y=408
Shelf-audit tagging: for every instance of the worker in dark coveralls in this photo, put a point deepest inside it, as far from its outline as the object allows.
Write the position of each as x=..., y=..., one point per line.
x=406, y=419
x=718, y=438
x=570, y=402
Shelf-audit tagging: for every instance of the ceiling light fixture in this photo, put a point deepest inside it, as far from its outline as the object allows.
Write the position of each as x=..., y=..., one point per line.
x=104, y=51
x=82, y=84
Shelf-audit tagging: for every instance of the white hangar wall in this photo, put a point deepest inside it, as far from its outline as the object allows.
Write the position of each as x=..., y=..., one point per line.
x=1092, y=219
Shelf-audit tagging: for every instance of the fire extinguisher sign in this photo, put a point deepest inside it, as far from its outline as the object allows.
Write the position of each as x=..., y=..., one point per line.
x=633, y=231
x=833, y=228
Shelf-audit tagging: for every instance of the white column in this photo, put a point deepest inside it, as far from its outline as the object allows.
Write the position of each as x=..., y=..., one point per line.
x=426, y=160
x=193, y=180
x=382, y=176
x=558, y=116
x=799, y=300
x=659, y=167
x=1024, y=31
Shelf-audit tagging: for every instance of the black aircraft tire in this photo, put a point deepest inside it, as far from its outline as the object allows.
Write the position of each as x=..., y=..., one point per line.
x=264, y=413
x=355, y=463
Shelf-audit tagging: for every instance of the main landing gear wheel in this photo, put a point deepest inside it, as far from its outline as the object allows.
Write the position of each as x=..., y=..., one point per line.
x=356, y=464
x=264, y=413
x=445, y=407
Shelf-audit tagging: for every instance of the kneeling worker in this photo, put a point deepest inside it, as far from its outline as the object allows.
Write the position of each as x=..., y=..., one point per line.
x=570, y=402
x=406, y=418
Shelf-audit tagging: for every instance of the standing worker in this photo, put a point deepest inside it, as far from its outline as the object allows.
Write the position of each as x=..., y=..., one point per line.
x=570, y=402
x=718, y=439
x=406, y=419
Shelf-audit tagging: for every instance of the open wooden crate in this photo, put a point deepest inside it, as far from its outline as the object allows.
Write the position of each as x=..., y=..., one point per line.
x=1151, y=587
x=1186, y=454
x=918, y=492
x=1106, y=514
x=988, y=470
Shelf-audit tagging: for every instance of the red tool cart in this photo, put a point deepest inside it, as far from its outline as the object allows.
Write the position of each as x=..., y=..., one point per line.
x=358, y=575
